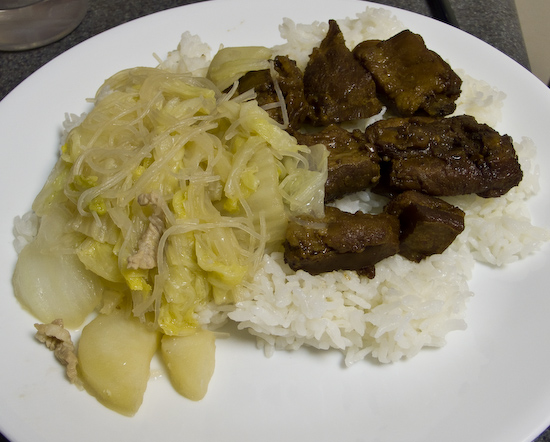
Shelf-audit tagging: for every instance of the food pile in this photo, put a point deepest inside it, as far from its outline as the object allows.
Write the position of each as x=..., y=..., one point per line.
x=327, y=200
x=417, y=151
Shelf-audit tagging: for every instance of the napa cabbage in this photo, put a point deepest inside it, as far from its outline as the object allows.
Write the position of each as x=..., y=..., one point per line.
x=169, y=193
x=231, y=63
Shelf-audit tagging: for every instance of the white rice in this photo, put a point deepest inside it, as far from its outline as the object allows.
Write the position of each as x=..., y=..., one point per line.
x=373, y=23
x=25, y=229
x=191, y=55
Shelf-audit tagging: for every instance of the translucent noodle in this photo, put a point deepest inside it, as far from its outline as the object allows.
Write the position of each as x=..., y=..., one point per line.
x=192, y=185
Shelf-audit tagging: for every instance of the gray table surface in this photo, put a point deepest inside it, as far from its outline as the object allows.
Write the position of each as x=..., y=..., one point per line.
x=494, y=21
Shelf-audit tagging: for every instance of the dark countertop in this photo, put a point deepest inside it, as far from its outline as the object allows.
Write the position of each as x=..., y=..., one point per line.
x=494, y=21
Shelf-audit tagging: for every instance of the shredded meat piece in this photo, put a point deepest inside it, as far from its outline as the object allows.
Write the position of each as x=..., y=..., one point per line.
x=58, y=339
x=146, y=255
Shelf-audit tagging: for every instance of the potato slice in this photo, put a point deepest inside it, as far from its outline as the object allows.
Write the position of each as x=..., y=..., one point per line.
x=190, y=361
x=114, y=355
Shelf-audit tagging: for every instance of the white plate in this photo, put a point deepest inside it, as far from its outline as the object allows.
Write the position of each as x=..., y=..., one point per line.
x=489, y=383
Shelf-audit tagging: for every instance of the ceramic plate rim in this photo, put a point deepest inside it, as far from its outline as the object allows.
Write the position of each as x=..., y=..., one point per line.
x=285, y=379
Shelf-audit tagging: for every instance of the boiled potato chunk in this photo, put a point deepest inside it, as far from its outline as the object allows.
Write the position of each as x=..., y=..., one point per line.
x=114, y=356
x=190, y=361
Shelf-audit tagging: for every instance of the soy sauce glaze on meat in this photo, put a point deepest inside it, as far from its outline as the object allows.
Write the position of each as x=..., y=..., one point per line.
x=444, y=156
x=336, y=85
x=290, y=80
x=353, y=164
x=414, y=156
x=411, y=78
x=341, y=241
x=428, y=225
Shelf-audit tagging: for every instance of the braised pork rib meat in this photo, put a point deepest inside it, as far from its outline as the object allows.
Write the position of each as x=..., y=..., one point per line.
x=290, y=80
x=353, y=164
x=412, y=78
x=336, y=85
x=444, y=156
x=428, y=225
x=414, y=155
x=341, y=241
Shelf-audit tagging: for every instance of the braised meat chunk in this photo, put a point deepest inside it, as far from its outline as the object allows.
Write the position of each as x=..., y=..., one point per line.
x=353, y=164
x=290, y=81
x=428, y=224
x=444, y=156
x=336, y=85
x=412, y=78
x=341, y=241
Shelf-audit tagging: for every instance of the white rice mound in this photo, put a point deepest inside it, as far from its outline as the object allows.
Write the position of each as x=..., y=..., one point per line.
x=407, y=305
